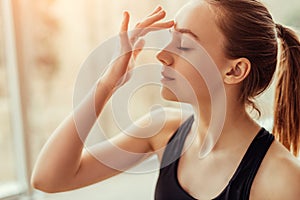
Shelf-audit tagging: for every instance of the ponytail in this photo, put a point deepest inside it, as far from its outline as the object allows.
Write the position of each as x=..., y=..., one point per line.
x=287, y=96
x=249, y=30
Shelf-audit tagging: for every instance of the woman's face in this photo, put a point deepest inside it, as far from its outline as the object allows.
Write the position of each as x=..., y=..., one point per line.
x=186, y=66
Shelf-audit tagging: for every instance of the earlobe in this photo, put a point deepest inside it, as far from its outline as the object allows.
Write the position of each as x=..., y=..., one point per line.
x=238, y=71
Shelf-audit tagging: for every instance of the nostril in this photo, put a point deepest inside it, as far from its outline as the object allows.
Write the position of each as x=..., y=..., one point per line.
x=164, y=58
x=163, y=62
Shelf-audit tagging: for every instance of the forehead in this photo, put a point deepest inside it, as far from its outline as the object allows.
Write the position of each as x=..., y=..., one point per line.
x=198, y=16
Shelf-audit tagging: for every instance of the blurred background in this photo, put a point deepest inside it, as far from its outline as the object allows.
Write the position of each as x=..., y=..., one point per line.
x=42, y=46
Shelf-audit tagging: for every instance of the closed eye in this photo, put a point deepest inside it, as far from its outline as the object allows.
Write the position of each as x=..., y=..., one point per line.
x=183, y=48
x=177, y=36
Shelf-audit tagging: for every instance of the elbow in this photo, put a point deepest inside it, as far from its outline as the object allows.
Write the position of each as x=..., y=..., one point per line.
x=45, y=185
x=39, y=184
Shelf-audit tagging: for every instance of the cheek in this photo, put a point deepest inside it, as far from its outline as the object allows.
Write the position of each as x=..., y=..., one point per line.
x=191, y=75
x=191, y=83
x=218, y=58
x=198, y=84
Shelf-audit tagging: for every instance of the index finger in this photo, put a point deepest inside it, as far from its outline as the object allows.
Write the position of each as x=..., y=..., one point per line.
x=152, y=19
x=157, y=9
x=157, y=27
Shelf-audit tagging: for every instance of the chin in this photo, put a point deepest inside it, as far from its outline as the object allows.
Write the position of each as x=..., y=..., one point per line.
x=168, y=94
x=181, y=97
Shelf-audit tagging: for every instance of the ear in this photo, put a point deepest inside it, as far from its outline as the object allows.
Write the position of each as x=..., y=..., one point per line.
x=238, y=71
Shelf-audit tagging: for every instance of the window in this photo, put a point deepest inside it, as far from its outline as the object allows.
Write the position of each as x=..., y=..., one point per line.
x=54, y=46
x=13, y=170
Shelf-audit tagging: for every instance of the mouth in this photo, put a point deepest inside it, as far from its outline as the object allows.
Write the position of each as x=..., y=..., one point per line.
x=166, y=77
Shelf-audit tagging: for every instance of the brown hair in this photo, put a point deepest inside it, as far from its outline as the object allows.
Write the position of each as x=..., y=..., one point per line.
x=251, y=33
x=287, y=96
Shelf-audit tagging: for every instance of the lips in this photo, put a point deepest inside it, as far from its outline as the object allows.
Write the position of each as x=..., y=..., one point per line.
x=166, y=76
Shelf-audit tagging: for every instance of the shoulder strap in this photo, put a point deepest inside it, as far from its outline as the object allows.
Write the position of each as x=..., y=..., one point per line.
x=240, y=185
x=175, y=145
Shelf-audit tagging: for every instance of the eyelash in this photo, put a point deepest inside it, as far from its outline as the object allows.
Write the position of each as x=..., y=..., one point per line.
x=183, y=48
x=179, y=47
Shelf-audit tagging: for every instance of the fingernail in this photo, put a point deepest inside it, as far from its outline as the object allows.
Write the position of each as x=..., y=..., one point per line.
x=162, y=12
x=159, y=7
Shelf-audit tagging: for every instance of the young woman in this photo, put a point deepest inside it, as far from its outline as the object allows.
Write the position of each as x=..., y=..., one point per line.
x=246, y=162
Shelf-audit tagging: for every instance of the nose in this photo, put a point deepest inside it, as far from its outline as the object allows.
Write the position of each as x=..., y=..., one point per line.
x=165, y=57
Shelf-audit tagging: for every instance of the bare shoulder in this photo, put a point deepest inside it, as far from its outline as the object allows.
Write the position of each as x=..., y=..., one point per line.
x=279, y=175
x=168, y=120
x=152, y=131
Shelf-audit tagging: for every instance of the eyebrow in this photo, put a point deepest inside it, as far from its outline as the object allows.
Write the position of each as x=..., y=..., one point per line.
x=188, y=31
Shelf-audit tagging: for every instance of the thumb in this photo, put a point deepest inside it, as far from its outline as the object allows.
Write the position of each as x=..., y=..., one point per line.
x=124, y=40
x=138, y=47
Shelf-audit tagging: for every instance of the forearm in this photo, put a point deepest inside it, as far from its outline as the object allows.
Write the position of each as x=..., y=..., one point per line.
x=60, y=158
x=61, y=163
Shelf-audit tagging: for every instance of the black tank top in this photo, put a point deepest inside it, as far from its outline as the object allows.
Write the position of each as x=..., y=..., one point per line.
x=238, y=188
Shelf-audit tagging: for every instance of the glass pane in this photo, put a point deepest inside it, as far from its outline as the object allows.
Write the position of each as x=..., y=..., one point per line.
x=7, y=164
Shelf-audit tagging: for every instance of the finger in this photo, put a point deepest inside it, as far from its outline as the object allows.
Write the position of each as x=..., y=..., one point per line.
x=152, y=19
x=125, y=43
x=163, y=25
x=146, y=23
x=134, y=36
x=138, y=47
x=136, y=53
x=156, y=10
x=125, y=22
x=156, y=27
x=137, y=33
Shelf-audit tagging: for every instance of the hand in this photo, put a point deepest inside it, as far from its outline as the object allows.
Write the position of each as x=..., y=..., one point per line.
x=118, y=72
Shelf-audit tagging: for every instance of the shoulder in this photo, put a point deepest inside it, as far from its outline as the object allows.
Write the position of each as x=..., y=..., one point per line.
x=279, y=174
x=155, y=128
x=166, y=121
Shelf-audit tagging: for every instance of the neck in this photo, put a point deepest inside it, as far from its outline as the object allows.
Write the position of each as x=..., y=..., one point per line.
x=219, y=128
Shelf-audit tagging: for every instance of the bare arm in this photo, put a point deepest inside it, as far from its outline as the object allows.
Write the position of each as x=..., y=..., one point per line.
x=284, y=178
x=63, y=164
x=278, y=176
